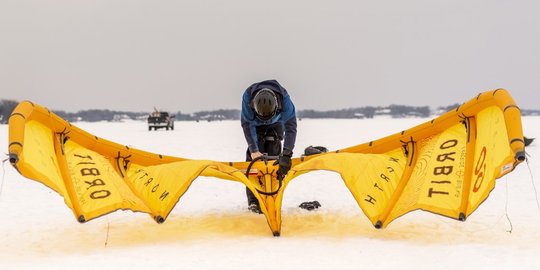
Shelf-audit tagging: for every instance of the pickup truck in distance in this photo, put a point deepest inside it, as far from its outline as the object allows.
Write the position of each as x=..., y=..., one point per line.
x=157, y=120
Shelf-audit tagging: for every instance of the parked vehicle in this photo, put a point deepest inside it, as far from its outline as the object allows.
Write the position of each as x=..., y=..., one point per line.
x=157, y=120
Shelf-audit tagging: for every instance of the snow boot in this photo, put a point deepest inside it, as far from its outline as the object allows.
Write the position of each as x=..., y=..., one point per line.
x=254, y=207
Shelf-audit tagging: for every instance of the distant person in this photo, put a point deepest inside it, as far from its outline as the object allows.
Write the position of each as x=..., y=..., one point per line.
x=268, y=117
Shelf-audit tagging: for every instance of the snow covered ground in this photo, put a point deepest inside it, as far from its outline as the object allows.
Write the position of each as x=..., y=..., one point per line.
x=210, y=227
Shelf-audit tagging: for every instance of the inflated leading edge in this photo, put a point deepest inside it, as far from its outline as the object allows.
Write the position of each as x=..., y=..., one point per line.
x=446, y=166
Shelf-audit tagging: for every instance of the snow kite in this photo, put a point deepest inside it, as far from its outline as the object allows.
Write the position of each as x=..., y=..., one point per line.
x=447, y=166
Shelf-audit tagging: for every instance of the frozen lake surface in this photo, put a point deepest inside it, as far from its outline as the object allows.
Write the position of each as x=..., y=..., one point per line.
x=210, y=228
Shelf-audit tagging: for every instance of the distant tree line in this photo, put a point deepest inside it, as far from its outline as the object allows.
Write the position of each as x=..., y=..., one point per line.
x=397, y=111
x=530, y=112
x=364, y=112
x=6, y=107
x=228, y=114
x=100, y=115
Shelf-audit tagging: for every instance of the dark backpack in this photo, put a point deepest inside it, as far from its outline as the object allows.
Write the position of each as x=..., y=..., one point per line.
x=314, y=150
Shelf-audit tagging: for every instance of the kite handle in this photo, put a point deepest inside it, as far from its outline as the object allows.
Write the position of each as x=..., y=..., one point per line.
x=264, y=158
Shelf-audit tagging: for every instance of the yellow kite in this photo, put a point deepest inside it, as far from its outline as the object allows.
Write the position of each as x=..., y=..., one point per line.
x=446, y=166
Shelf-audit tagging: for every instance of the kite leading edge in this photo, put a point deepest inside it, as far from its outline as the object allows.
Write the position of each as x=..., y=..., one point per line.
x=447, y=166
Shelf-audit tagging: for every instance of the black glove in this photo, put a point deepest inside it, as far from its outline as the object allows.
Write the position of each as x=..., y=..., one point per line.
x=284, y=162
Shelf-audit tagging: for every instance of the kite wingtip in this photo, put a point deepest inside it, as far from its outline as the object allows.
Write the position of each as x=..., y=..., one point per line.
x=81, y=219
x=521, y=156
x=276, y=234
x=462, y=217
x=13, y=158
x=159, y=219
x=378, y=225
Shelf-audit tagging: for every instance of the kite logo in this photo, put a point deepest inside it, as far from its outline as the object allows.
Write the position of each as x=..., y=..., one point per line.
x=480, y=170
x=444, y=169
x=147, y=183
x=91, y=170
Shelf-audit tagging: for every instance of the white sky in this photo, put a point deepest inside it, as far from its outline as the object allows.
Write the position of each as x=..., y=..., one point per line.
x=196, y=55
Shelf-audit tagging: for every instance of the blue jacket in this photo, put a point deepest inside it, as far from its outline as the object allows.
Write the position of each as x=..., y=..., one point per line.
x=286, y=117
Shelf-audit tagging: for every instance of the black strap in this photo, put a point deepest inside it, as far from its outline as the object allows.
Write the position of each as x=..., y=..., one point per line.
x=265, y=158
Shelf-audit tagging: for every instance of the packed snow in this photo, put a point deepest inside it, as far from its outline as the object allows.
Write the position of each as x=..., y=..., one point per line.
x=210, y=228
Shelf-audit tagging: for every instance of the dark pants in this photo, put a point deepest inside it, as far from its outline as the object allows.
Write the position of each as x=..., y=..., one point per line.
x=269, y=142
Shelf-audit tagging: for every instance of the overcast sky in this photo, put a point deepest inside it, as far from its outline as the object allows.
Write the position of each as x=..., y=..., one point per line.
x=195, y=55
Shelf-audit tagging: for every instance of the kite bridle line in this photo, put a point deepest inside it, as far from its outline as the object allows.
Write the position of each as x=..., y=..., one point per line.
x=506, y=207
x=532, y=181
x=3, y=175
x=264, y=158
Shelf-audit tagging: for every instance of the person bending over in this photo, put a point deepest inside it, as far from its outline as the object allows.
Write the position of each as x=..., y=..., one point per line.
x=268, y=117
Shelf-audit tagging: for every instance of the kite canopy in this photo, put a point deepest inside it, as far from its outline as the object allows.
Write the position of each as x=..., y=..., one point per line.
x=447, y=166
